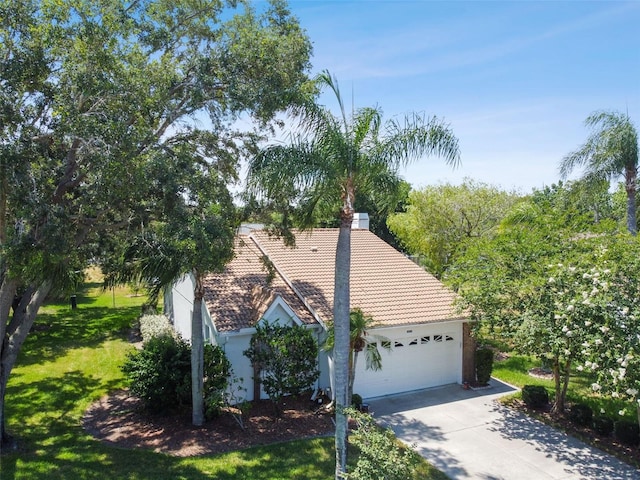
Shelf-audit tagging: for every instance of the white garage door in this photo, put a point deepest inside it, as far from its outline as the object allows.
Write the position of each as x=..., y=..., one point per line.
x=419, y=357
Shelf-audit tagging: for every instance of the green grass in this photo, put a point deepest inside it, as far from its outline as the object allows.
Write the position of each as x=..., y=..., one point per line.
x=515, y=371
x=73, y=357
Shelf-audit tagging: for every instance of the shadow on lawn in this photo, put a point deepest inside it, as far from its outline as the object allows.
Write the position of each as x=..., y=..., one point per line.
x=53, y=335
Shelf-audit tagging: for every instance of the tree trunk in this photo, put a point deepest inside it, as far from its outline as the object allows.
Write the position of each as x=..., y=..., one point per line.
x=353, y=359
x=342, y=338
x=14, y=331
x=197, y=354
x=630, y=187
x=558, y=405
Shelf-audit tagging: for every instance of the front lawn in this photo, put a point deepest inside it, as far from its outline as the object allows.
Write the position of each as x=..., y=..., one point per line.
x=72, y=358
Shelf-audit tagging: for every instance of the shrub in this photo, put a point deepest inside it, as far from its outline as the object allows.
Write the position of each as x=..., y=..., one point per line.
x=484, y=365
x=381, y=455
x=159, y=374
x=155, y=325
x=581, y=414
x=603, y=425
x=217, y=369
x=627, y=432
x=286, y=357
x=356, y=401
x=535, y=396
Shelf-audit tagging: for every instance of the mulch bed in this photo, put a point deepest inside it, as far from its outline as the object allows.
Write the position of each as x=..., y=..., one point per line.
x=118, y=419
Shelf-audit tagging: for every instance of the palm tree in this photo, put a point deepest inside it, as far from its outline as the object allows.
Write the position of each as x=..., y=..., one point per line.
x=610, y=151
x=195, y=236
x=332, y=158
x=360, y=341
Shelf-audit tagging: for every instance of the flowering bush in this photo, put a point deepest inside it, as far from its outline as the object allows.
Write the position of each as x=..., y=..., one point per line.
x=155, y=325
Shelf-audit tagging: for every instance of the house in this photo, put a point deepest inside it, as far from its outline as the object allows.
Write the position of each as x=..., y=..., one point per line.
x=429, y=340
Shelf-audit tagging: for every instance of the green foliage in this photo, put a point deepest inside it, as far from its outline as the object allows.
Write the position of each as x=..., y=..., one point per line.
x=627, y=432
x=159, y=373
x=217, y=370
x=603, y=425
x=356, y=401
x=381, y=455
x=440, y=221
x=610, y=151
x=581, y=414
x=484, y=365
x=535, y=396
x=286, y=357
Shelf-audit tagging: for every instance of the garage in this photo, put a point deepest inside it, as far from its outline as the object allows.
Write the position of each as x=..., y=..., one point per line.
x=418, y=357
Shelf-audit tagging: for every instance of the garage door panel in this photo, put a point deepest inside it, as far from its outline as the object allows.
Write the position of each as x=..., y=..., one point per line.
x=424, y=358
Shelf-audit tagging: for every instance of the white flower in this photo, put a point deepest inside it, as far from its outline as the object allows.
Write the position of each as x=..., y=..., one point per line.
x=570, y=307
x=598, y=341
x=580, y=368
x=604, y=329
x=615, y=395
x=596, y=387
x=623, y=372
x=587, y=323
x=622, y=412
x=632, y=392
x=603, y=412
x=565, y=328
x=625, y=311
x=551, y=280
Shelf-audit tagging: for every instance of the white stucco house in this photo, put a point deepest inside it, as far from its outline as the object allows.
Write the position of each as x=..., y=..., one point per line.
x=268, y=281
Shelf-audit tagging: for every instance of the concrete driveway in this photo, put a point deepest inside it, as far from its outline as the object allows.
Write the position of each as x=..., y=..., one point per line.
x=467, y=434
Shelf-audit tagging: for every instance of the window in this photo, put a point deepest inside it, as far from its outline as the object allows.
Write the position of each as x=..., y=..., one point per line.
x=437, y=338
x=413, y=342
x=426, y=339
x=385, y=344
x=448, y=338
x=398, y=344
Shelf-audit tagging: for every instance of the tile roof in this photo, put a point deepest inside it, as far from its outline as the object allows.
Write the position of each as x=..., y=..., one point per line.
x=384, y=283
x=239, y=296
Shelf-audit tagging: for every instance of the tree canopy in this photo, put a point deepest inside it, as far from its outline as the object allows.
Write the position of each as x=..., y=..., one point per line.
x=98, y=100
x=440, y=220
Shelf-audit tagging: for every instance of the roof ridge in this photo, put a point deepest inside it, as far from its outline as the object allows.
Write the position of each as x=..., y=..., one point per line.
x=289, y=283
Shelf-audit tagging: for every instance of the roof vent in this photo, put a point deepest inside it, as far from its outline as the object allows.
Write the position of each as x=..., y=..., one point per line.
x=314, y=249
x=360, y=221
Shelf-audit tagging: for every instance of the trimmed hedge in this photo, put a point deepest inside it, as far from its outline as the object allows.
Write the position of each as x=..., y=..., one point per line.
x=484, y=365
x=581, y=414
x=627, y=432
x=535, y=396
x=603, y=425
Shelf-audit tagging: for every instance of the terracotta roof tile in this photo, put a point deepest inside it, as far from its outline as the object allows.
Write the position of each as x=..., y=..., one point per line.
x=384, y=283
x=239, y=296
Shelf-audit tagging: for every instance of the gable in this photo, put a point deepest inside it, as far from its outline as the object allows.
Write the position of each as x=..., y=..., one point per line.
x=280, y=313
x=239, y=296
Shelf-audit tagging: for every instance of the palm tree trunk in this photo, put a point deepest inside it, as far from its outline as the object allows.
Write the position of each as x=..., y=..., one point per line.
x=353, y=358
x=342, y=339
x=197, y=354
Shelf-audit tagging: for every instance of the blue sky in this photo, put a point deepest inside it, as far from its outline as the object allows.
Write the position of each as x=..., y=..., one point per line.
x=515, y=80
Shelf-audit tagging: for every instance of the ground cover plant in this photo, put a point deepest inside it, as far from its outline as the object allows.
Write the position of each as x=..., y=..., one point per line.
x=72, y=359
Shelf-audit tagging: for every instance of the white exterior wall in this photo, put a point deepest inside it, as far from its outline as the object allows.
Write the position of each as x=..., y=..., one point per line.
x=421, y=356
x=182, y=306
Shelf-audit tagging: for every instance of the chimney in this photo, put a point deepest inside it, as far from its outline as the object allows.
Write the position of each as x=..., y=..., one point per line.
x=360, y=221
